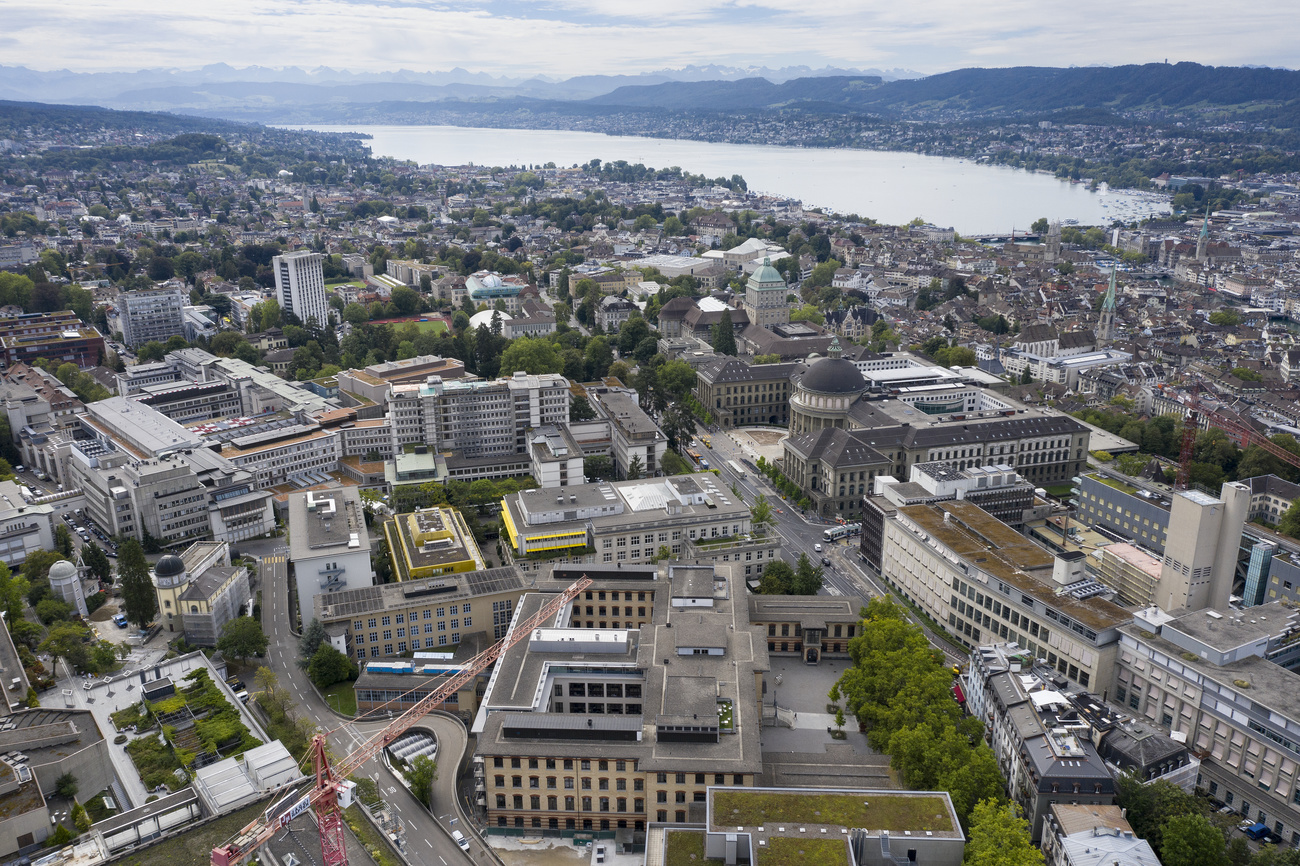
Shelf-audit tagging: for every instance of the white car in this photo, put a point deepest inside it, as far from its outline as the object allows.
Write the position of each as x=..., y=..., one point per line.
x=817, y=547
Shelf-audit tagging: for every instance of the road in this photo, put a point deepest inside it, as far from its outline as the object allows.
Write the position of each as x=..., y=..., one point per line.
x=847, y=574
x=426, y=843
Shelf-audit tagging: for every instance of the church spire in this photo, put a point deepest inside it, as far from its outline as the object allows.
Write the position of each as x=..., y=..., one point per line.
x=1106, y=321
x=1203, y=242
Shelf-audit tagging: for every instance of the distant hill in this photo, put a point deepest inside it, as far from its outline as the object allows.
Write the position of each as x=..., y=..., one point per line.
x=748, y=94
x=1016, y=90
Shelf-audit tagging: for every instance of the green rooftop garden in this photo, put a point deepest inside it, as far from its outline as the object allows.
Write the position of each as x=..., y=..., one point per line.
x=869, y=811
x=685, y=848
x=1118, y=485
x=789, y=851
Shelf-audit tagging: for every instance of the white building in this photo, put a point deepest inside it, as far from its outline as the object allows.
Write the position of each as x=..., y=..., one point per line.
x=329, y=546
x=23, y=527
x=154, y=314
x=478, y=419
x=300, y=285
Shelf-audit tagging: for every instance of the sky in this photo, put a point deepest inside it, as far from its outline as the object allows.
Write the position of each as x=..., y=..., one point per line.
x=562, y=38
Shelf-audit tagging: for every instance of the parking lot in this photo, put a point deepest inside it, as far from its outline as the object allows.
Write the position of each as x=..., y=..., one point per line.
x=81, y=526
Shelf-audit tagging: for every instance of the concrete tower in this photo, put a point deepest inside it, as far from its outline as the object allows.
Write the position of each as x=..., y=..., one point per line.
x=1201, y=548
x=1106, y=322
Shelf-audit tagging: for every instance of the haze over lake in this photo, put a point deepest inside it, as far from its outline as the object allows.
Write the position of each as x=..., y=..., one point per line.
x=887, y=186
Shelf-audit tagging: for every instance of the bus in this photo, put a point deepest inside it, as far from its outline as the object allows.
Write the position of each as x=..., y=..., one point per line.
x=736, y=467
x=835, y=533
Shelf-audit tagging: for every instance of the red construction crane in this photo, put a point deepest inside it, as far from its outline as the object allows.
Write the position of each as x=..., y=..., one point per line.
x=331, y=780
x=1241, y=433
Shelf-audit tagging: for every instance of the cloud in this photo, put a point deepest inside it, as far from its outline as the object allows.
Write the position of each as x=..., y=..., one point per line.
x=574, y=37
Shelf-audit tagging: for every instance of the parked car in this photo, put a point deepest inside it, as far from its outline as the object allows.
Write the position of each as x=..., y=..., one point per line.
x=120, y=620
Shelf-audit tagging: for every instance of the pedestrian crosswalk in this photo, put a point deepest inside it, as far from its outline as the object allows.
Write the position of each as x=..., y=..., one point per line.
x=271, y=560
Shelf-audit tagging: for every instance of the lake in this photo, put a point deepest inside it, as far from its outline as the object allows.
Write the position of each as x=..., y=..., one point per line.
x=887, y=186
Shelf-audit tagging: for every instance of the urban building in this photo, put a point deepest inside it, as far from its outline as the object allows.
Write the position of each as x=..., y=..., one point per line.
x=637, y=445
x=477, y=418
x=431, y=542
x=152, y=314
x=764, y=826
x=609, y=729
x=765, y=297
x=24, y=527
x=978, y=578
x=1130, y=512
x=300, y=285
x=190, y=402
x=627, y=522
x=1092, y=835
x=810, y=627
x=435, y=613
x=200, y=591
x=612, y=312
x=1224, y=683
x=557, y=457
x=1129, y=570
x=40, y=745
x=329, y=545
x=57, y=337
x=999, y=490
x=485, y=288
x=1042, y=748
x=65, y=582
x=740, y=395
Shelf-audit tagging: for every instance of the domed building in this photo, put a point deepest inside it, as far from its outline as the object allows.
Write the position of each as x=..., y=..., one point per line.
x=825, y=392
x=65, y=581
x=200, y=591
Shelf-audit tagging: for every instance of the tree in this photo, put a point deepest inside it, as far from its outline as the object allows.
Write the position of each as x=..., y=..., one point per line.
x=761, y=515
x=723, y=335
x=97, y=561
x=421, y=773
x=663, y=554
x=1191, y=840
x=242, y=638
x=329, y=666
x=63, y=541
x=139, y=601
x=312, y=637
x=580, y=409
x=777, y=578
x=532, y=356
x=67, y=641
x=1289, y=523
x=807, y=577
x=677, y=378
x=12, y=592
x=999, y=837
x=635, y=467
x=66, y=786
x=36, y=567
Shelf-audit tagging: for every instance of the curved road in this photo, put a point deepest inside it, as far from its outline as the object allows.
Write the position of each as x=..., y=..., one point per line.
x=428, y=842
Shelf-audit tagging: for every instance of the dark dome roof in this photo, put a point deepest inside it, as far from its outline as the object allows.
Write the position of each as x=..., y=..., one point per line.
x=833, y=376
x=169, y=565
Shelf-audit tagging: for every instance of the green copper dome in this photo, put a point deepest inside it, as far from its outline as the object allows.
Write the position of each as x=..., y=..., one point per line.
x=767, y=274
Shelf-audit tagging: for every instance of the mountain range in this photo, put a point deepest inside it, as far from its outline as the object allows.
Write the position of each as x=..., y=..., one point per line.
x=213, y=88
x=1078, y=94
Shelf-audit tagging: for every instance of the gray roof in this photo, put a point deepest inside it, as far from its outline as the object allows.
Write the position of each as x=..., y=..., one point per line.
x=833, y=376
x=837, y=448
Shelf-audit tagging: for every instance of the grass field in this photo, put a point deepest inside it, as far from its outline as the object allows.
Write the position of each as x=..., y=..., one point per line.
x=784, y=851
x=434, y=325
x=341, y=697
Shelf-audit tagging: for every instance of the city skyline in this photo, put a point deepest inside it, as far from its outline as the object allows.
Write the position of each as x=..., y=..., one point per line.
x=554, y=39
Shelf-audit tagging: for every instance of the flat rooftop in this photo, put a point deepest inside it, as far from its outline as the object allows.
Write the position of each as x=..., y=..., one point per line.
x=993, y=547
x=775, y=809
